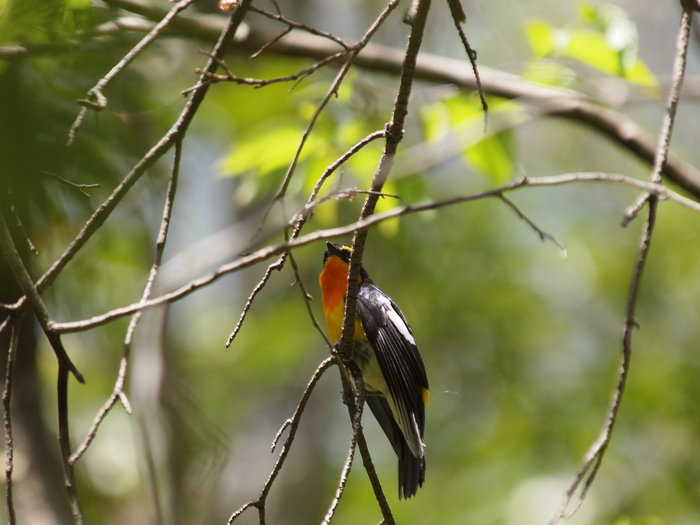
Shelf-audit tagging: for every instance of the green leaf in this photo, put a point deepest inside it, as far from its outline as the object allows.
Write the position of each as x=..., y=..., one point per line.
x=591, y=48
x=261, y=152
x=540, y=36
x=493, y=156
x=606, y=39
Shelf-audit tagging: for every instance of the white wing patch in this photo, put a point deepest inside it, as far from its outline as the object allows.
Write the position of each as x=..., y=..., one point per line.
x=396, y=320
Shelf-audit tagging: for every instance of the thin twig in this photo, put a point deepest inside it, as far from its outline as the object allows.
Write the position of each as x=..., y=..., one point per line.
x=459, y=18
x=14, y=261
x=306, y=296
x=118, y=390
x=555, y=102
x=291, y=24
x=544, y=236
x=359, y=436
x=64, y=442
x=262, y=82
x=594, y=457
x=344, y=474
x=271, y=250
x=96, y=99
x=176, y=132
x=7, y=421
x=277, y=265
x=279, y=37
x=292, y=424
x=72, y=184
x=23, y=230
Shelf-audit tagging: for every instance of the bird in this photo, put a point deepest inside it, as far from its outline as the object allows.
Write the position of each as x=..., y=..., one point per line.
x=393, y=373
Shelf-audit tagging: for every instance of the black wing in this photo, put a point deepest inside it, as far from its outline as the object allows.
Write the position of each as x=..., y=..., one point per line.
x=391, y=337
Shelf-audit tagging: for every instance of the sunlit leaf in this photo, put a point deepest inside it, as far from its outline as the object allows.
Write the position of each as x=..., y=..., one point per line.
x=493, y=156
x=606, y=40
x=540, y=37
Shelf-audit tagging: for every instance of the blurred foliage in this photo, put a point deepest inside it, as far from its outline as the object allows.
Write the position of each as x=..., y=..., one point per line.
x=521, y=346
x=604, y=38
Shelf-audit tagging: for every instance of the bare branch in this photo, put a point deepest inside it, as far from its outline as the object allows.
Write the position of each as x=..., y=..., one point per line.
x=592, y=461
x=553, y=101
x=268, y=251
x=303, y=27
x=307, y=299
x=459, y=18
x=9, y=251
x=356, y=410
x=282, y=34
x=544, y=236
x=277, y=265
x=293, y=425
x=64, y=443
x=23, y=230
x=79, y=187
x=96, y=99
x=118, y=390
x=7, y=421
x=262, y=82
x=344, y=473
x=679, y=64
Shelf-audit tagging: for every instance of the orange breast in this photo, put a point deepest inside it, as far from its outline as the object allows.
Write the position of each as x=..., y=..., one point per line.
x=334, y=286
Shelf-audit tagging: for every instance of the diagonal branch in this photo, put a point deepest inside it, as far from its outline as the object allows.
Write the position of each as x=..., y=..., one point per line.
x=594, y=457
x=555, y=102
x=271, y=250
x=292, y=424
x=118, y=390
x=544, y=236
x=176, y=132
x=9, y=252
x=459, y=18
x=96, y=99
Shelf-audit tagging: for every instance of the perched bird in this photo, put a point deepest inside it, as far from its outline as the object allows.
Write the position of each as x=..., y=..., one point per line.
x=386, y=353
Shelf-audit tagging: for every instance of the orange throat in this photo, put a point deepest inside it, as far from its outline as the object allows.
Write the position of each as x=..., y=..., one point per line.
x=334, y=286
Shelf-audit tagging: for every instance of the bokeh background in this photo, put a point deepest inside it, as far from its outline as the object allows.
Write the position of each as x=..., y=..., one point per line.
x=521, y=345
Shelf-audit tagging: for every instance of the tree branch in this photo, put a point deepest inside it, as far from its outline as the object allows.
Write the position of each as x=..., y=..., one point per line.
x=293, y=424
x=9, y=252
x=96, y=99
x=64, y=442
x=555, y=102
x=271, y=250
x=594, y=457
x=7, y=421
x=118, y=390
